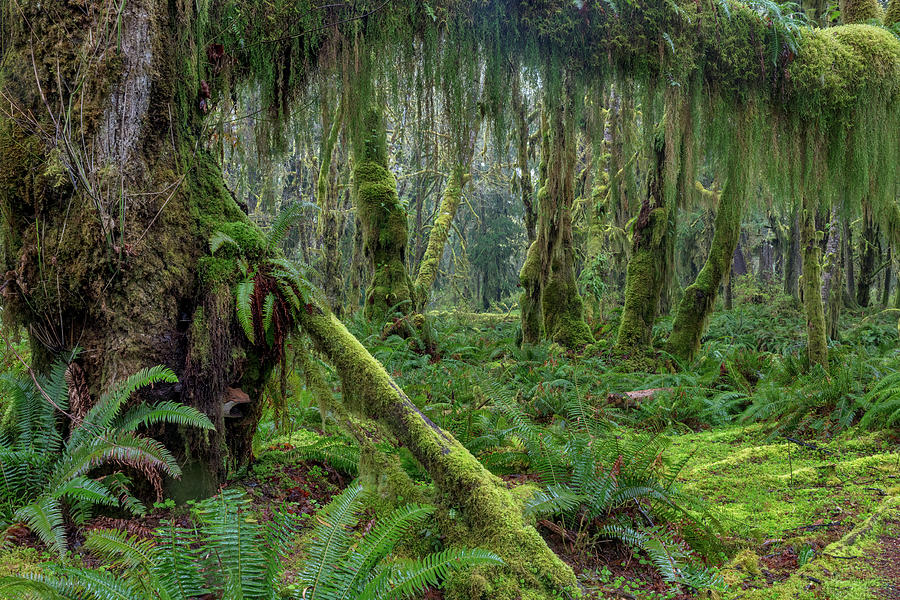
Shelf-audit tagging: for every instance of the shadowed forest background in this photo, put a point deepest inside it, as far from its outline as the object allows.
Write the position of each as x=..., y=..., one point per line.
x=510, y=300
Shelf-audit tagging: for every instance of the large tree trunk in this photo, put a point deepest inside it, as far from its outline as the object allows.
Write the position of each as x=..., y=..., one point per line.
x=700, y=297
x=811, y=282
x=562, y=306
x=109, y=206
x=645, y=273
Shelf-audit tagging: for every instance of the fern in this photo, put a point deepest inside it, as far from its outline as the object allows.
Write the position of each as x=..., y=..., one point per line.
x=335, y=572
x=40, y=473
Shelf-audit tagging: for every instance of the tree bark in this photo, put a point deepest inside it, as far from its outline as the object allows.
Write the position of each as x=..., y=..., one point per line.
x=109, y=210
x=699, y=298
x=811, y=282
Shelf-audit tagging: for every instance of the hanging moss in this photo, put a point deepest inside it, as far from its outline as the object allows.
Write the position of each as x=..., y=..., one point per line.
x=699, y=298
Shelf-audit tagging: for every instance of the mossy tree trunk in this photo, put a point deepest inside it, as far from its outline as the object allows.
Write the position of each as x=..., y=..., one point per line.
x=109, y=204
x=562, y=306
x=832, y=286
x=526, y=189
x=645, y=273
x=868, y=248
x=462, y=150
x=792, y=255
x=700, y=297
x=439, y=234
x=811, y=284
x=329, y=217
x=476, y=508
x=382, y=218
x=888, y=274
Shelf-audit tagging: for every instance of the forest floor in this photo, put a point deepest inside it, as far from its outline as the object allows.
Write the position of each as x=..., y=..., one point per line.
x=802, y=513
x=805, y=521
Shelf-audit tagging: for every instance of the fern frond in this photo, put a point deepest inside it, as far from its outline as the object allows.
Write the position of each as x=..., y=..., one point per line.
x=406, y=579
x=243, y=292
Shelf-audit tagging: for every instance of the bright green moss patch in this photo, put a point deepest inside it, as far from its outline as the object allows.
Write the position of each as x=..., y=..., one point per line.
x=780, y=500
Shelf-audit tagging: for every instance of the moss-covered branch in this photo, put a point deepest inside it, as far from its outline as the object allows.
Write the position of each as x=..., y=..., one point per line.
x=476, y=508
x=440, y=232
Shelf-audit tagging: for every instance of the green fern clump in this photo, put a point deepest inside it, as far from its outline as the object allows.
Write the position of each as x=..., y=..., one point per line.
x=42, y=473
x=616, y=490
x=227, y=554
x=339, y=566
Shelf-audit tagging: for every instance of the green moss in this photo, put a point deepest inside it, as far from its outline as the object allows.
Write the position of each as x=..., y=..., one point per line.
x=811, y=284
x=475, y=509
x=892, y=15
x=383, y=220
x=643, y=284
x=440, y=232
x=860, y=11
x=699, y=298
x=530, y=303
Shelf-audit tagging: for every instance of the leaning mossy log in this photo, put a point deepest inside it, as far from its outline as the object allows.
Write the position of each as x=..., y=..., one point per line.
x=700, y=297
x=476, y=509
x=440, y=232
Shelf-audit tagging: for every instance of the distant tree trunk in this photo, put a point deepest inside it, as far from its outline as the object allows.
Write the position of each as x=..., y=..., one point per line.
x=109, y=210
x=329, y=218
x=792, y=255
x=832, y=287
x=740, y=262
x=526, y=189
x=440, y=232
x=699, y=298
x=888, y=274
x=867, y=252
x=848, y=260
x=382, y=217
x=812, y=286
